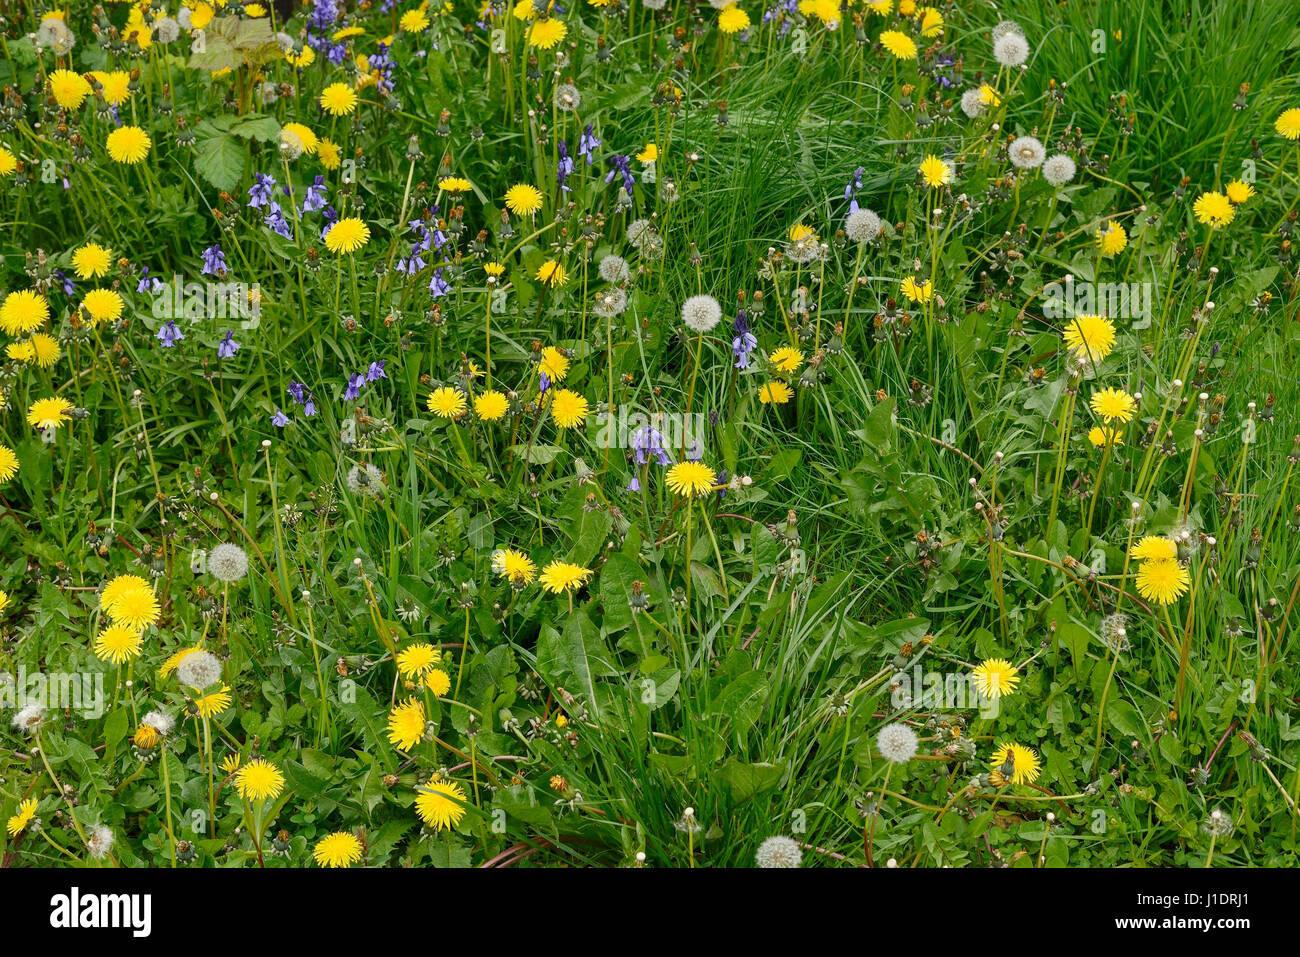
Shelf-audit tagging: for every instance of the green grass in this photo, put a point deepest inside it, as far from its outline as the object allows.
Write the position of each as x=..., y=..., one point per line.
x=754, y=685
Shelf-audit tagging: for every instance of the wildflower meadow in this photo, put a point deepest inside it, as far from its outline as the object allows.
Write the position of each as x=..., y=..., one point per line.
x=649, y=433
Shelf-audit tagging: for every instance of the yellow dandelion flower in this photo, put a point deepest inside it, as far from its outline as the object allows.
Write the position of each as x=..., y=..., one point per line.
x=1090, y=338
x=1213, y=209
x=329, y=154
x=491, y=406
x=515, y=565
x=691, y=479
x=995, y=677
x=554, y=364
x=309, y=140
x=935, y=171
x=338, y=99
x=103, y=305
x=1288, y=124
x=23, y=311
x=172, y=663
x=440, y=804
x=45, y=349
x=899, y=44
x=146, y=737
x=989, y=96
x=118, y=643
x=406, y=724
x=69, y=89
x=136, y=609
x=49, y=413
x=1113, y=405
x=560, y=577
x=545, y=34
x=454, y=184
x=523, y=199
x=8, y=464
x=1112, y=239
x=8, y=162
x=26, y=814
x=347, y=236
x=438, y=682
x=1162, y=580
x=413, y=21
x=1154, y=548
x=446, y=402
x=552, y=273
x=415, y=660
x=128, y=144
x=651, y=152
x=775, y=393
x=914, y=291
x=1100, y=437
x=1238, y=191
x=568, y=409
x=229, y=764
x=114, y=87
x=213, y=703
x=258, y=780
x=786, y=359
x=339, y=849
x=732, y=19
x=91, y=261
x=1014, y=764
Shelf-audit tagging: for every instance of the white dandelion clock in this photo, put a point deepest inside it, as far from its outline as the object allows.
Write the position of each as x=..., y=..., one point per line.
x=701, y=313
x=897, y=743
x=779, y=851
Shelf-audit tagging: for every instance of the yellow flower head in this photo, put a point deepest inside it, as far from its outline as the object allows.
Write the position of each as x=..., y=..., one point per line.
x=1090, y=338
x=552, y=273
x=545, y=34
x=1014, y=764
x=691, y=479
x=91, y=261
x=406, y=724
x=338, y=99
x=1154, y=548
x=103, y=305
x=118, y=643
x=1238, y=191
x=491, y=406
x=309, y=140
x=732, y=19
x=23, y=311
x=1100, y=437
x=786, y=359
x=554, y=364
x=114, y=87
x=454, y=184
x=1288, y=124
x=935, y=171
x=258, y=780
x=996, y=677
x=415, y=660
x=899, y=44
x=347, y=236
x=775, y=393
x=437, y=681
x=8, y=469
x=69, y=89
x=413, y=21
x=523, y=199
x=568, y=409
x=339, y=849
x=1213, y=209
x=563, y=576
x=26, y=813
x=440, y=804
x=1162, y=580
x=1112, y=239
x=515, y=565
x=49, y=413
x=136, y=609
x=914, y=291
x=1113, y=405
x=446, y=402
x=128, y=144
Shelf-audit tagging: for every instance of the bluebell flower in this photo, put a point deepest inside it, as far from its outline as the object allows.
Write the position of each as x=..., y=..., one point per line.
x=355, y=382
x=745, y=341
x=279, y=420
x=214, y=261
x=276, y=221
x=259, y=194
x=169, y=334
x=437, y=285
x=317, y=196
x=227, y=347
x=376, y=371
x=587, y=144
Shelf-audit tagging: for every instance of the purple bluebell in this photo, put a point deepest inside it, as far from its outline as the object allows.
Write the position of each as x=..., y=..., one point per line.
x=564, y=168
x=587, y=144
x=214, y=261
x=259, y=194
x=437, y=285
x=276, y=222
x=376, y=371
x=169, y=334
x=647, y=441
x=317, y=196
x=279, y=420
x=355, y=382
x=227, y=347
x=745, y=341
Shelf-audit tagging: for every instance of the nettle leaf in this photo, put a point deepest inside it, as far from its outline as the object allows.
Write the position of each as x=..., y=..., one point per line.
x=221, y=160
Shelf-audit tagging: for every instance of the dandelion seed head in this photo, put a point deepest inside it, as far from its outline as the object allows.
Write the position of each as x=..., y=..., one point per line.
x=1058, y=169
x=701, y=313
x=778, y=851
x=1011, y=49
x=862, y=226
x=200, y=670
x=897, y=743
x=228, y=562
